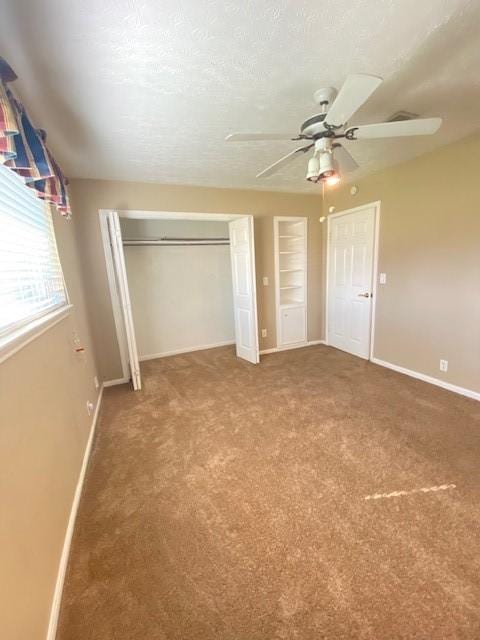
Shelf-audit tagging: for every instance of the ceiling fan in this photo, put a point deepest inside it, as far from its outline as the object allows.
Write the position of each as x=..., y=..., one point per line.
x=323, y=130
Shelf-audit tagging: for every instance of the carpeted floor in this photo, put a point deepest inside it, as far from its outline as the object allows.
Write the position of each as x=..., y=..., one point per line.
x=229, y=501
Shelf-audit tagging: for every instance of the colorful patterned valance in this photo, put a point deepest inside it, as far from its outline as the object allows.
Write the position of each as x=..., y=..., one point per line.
x=23, y=148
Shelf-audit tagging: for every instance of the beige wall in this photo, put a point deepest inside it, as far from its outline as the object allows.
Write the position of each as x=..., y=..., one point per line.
x=88, y=196
x=430, y=250
x=44, y=388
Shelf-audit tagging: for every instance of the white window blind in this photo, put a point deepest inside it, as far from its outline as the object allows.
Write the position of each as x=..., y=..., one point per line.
x=31, y=279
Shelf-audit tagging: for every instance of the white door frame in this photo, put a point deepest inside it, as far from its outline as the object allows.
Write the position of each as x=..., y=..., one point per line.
x=114, y=297
x=376, y=207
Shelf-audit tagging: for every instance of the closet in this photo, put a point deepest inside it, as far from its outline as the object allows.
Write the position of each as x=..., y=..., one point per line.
x=290, y=249
x=180, y=283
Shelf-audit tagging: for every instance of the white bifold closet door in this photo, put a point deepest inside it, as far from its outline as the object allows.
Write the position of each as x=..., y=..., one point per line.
x=242, y=254
x=115, y=234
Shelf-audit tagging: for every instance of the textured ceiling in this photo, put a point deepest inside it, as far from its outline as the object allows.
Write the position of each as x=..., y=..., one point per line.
x=147, y=90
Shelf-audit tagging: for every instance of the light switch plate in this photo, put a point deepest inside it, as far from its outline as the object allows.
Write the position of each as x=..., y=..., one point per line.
x=383, y=278
x=265, y=281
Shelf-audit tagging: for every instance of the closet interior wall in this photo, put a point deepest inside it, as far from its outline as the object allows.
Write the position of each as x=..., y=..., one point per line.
x=181, y=294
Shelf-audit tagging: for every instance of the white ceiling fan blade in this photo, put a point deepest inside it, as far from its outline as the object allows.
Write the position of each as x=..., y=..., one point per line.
x=420, y=127
x=246, y=137
x=346, y=162
x=283, y=161
x=355, y=91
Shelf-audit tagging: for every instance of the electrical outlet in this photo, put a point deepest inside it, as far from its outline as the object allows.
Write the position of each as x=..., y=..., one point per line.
x=90, y=407
x=383, y=278
x=264, y=333
x=95, y=382
x=265, y=281
x=443, y=365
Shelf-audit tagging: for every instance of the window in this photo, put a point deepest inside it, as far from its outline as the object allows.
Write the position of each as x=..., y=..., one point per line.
x=31, y=279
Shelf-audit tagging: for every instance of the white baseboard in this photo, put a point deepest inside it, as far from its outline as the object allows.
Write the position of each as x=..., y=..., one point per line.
x=421, y=376
x=62, y=567
x=311, y=343
x=164, y=354
x=112, y=383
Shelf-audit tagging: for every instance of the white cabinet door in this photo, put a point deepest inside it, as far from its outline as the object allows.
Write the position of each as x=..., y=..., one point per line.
x=244, y=289
x=350, y=286
x=293, y=325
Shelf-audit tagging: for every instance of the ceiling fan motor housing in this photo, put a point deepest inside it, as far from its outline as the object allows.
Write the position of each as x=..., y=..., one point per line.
x=325, y=96
x=313, y=127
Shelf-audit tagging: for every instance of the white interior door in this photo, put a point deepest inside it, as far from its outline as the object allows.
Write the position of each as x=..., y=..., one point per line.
x=350, y=280
x=124, y=294
x=242, y=253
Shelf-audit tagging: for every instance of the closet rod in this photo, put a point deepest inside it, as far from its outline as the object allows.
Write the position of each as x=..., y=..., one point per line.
x=177, y=242
x=189, y=239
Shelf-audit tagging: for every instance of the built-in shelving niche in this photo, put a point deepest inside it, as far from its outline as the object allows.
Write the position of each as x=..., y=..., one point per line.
x=290, y=237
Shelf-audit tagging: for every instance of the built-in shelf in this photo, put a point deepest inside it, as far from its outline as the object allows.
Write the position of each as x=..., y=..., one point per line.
x=290, y=236
x=290, y=305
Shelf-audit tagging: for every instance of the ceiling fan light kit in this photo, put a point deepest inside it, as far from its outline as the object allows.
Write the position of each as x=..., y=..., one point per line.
x=313, y=169
x=327, y=165
x=324, y=130
x=333, y=180
x=322, y=165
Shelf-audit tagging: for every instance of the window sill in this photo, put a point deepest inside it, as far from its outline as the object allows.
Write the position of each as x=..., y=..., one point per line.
x=9, y=345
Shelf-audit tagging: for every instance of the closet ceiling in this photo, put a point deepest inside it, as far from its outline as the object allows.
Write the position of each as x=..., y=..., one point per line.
x=146, y=90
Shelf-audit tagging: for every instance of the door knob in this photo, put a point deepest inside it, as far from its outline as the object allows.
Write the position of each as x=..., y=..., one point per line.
x=364, y=295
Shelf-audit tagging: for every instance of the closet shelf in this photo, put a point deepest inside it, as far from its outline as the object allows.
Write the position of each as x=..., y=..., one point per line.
x=291, y=270
x=297, y=235
x=293, y=286
x=289, y=252
x=291, y=304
